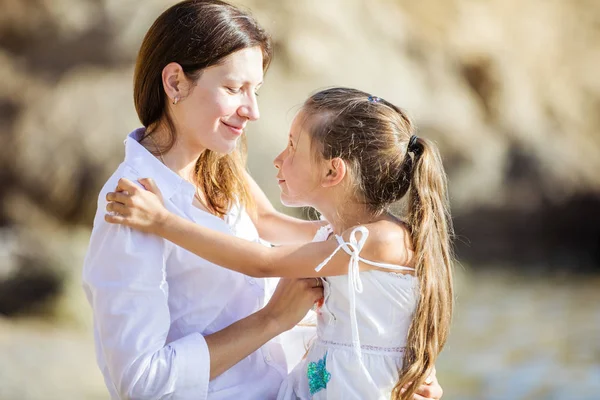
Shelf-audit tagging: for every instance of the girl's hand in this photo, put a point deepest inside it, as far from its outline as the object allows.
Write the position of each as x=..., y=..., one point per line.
x=135, y=207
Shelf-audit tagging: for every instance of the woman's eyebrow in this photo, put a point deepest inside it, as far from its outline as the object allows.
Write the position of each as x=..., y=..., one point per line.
x=242, y=81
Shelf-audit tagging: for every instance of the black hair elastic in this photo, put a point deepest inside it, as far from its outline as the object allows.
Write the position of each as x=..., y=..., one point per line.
x=413, y=145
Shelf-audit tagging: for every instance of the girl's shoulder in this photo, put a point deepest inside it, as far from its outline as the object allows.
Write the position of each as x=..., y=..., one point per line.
x=388, y=241
x=323, y=233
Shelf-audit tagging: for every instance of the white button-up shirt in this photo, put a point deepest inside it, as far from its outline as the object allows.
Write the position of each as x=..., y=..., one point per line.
x=153, y=302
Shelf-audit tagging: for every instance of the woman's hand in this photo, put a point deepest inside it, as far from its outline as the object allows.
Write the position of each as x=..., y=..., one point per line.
x=291, y=301
x=135, y=207
x=430, y=390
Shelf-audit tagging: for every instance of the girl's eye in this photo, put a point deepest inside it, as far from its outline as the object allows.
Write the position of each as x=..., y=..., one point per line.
x=233, y=90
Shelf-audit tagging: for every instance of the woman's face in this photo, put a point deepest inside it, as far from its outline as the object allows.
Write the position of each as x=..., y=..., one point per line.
x=298, y=171
x=216, y=109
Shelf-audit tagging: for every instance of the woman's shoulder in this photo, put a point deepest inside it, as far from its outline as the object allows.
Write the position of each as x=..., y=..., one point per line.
x=124, y=170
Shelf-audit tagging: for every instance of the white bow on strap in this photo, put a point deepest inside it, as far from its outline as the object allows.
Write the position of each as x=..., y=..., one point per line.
x=353, y=248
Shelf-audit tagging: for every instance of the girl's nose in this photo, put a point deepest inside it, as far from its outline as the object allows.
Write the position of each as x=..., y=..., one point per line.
x=278, y=160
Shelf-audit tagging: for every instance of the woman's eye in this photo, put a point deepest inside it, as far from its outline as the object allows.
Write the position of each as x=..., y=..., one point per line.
x=233, y=90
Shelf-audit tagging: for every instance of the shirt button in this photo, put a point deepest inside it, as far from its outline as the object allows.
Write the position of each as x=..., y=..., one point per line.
x=268, y=358
x=252, y=281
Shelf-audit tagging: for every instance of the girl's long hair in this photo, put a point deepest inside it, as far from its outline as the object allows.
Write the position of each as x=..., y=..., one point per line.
x=387, y=164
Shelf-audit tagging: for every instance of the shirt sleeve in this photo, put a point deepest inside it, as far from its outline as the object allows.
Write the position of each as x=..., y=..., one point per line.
x=124, y=278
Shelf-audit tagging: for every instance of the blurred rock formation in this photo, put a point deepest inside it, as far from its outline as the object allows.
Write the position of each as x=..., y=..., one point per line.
x=509, y=89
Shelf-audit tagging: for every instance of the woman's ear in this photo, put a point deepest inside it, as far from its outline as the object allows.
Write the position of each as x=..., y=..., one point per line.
x=334, y=172
x=172, y=79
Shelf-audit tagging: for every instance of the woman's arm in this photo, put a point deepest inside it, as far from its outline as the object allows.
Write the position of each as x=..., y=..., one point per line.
x=143, y=210
x=289, y=304
x=124, y=280
x=276, y=227
x=123, y=277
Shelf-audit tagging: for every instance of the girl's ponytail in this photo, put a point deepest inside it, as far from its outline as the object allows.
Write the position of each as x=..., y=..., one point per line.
x=431, y=230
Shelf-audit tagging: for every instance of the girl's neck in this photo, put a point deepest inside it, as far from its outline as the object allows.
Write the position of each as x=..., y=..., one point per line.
x=344, y=216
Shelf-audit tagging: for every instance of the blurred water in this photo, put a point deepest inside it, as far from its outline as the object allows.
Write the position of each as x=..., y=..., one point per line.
x=513, y=337
x=523, y=337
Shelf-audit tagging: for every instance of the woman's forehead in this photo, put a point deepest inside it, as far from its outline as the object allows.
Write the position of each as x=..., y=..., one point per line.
x=243, y=65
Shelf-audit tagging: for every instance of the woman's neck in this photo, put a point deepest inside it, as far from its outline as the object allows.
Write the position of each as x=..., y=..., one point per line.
x=181, y=162
x=180, y=158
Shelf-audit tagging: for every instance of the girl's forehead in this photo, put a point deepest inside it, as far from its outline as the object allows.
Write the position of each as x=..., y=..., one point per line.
x=300, y=122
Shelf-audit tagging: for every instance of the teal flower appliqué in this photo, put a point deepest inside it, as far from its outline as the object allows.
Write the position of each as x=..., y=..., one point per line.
x=318, y=375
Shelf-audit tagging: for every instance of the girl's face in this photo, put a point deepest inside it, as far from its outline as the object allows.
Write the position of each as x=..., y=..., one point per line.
x=298, y=171
x=218, y=106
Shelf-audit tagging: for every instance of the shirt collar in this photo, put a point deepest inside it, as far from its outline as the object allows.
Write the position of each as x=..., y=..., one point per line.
x=148, y=166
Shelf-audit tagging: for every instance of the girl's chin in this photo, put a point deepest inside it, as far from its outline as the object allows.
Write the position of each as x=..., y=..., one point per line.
x=286, y=201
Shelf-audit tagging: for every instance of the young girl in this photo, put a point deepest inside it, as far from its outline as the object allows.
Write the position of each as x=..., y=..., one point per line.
x=388, y=282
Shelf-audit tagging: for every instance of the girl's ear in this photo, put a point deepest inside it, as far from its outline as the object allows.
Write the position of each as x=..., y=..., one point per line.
x=334, y=171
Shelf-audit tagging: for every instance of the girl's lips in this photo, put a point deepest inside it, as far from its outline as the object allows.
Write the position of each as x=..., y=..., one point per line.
x=280, y=181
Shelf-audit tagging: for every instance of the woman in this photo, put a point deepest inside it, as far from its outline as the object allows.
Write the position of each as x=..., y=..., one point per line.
x=169, y=324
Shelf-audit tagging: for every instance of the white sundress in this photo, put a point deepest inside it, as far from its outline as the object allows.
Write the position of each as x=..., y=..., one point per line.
x=362, y=328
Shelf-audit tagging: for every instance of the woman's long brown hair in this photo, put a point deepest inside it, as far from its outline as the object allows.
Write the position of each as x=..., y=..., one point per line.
x=197, y=34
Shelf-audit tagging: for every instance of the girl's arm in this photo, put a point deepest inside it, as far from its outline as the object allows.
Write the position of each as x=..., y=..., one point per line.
x=276, y=227
x=143, y=210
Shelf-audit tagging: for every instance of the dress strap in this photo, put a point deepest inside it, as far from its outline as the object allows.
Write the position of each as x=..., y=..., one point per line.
x=353, y=247
x=386, y=266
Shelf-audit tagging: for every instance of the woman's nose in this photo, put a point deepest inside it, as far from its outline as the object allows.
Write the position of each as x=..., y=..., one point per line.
x=250, y=108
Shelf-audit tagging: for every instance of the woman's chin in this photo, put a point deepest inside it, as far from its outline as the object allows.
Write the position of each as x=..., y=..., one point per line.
x=225, y=147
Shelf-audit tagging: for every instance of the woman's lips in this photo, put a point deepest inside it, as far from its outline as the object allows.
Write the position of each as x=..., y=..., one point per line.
x=236, y=130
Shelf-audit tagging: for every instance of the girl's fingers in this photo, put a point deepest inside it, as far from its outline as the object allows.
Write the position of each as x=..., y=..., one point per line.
x=117, y=208
x=150, y=185
x=126, y=185
x=119, y=197
x=114, y=219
